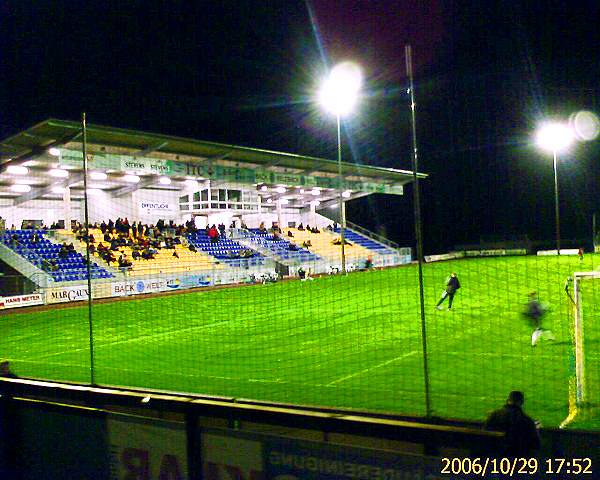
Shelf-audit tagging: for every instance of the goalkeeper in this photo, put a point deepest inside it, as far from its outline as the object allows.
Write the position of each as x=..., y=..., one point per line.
x=535, y=312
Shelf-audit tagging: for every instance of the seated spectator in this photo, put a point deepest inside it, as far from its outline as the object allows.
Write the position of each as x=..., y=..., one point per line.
x=64, y=251
x=304, y=274
x=49, y=265
x=192, y=248
x=221, y=229
x=5, y=370
x=107, y=237
x=316, y=230
x=293, y=247
x=290, y=234
x=232, y=254
x=244, y=226
x=71, y=247
x=147, y=254
x=175, y=254
x=35, y=238
x=261, y=228
x=329, y=228
x=14, y=240
x=338, y=241
x=124, y=262
x=114, y=245
x=135, y=254
x=301, y=227
x=246, y=253
x=307, y=244
x=92, y=248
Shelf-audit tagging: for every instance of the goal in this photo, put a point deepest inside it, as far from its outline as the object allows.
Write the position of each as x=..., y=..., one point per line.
x=584, y=387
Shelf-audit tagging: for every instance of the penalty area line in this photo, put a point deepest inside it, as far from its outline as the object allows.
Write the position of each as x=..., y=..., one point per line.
x=379, y=365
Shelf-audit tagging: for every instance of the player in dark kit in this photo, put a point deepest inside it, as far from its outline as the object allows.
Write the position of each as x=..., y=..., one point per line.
x=452, y=285
x=535, y=312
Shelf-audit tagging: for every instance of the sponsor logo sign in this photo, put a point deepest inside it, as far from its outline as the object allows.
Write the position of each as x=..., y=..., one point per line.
x=141, y=286
x=226, y=457
x=67, y=294
x=21, y=301
x=155, y=207
x=147, y=450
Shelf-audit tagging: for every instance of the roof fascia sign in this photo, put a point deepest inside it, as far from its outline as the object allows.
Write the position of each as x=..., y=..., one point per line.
x=157, y=166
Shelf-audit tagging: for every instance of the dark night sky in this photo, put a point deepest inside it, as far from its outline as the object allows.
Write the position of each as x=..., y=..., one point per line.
x=244, y=72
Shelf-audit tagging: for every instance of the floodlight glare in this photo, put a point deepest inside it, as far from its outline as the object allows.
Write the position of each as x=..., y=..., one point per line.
x=263, y=188
x=17, y=170
x=58, y=173
x=164, y=180
x=339, y=92
x=191, y=183
x=315, y=192
x=346, y=194
x=55, y=152
x=20, y=188
x=98, y=176
x=131, y=178
x=280, y=189
x=554, y=137
x=586, y=125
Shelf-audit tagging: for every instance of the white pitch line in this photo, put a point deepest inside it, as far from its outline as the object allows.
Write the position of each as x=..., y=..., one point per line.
x=379, y=365
x=136, y=339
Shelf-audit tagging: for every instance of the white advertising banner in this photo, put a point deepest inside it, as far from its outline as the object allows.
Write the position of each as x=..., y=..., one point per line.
x=231, y=458
x=146, y=450
x=67, y=294
x=21, y=301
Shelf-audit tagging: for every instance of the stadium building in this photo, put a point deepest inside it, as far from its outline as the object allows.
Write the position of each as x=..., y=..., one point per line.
x=150, y=178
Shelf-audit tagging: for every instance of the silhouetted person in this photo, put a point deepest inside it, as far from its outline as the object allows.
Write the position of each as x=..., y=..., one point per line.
x=522, y=438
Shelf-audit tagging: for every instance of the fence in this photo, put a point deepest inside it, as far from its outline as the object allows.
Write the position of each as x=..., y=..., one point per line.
x=344, y=341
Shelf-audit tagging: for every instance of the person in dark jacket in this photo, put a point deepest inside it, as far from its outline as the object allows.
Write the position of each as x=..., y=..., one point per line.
x=452, y=285
x=522, y=438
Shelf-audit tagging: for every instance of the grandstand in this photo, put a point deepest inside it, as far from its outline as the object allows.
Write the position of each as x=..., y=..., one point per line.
x=149, y=178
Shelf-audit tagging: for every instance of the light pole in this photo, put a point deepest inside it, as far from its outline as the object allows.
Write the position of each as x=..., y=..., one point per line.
x=555, y=137
x=338, y=95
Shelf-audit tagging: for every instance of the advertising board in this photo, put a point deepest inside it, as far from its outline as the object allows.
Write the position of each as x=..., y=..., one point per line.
x=146, y=449
x=21, y=301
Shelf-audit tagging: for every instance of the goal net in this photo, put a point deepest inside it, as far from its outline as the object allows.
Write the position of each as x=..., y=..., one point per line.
x=583, y=288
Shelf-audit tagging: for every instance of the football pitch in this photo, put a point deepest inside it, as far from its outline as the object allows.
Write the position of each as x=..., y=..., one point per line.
x=347, y=342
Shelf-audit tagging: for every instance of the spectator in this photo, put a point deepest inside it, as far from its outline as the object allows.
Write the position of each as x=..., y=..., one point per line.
x=290, y=234
x=64, y=251
x=222, y=229
x=307, y=244
x=5, y=370
x=301, y=227
x=261, y=228
x=14, y=240
x=213, y=234
x=522, y=438
x=175, y=254
x=192, y=248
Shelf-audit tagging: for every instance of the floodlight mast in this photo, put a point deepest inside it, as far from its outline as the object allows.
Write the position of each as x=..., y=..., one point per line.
x=555, y=137
x=338, y=95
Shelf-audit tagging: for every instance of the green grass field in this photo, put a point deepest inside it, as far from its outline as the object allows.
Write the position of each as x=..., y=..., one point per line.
x=351, y=342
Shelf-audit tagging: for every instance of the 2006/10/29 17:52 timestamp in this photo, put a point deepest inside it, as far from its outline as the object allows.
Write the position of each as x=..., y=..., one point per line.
x=481, y=467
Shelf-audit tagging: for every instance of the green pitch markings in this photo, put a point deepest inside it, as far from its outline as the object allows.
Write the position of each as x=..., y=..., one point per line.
x=349, y=342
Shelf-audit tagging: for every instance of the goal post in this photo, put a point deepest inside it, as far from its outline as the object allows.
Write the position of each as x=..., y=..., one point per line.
x=585, y=306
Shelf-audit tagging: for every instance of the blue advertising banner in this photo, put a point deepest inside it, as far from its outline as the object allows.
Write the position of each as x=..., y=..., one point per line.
x=301, y=460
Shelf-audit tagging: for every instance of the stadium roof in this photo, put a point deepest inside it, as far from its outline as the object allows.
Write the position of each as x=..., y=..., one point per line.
x=31, y=147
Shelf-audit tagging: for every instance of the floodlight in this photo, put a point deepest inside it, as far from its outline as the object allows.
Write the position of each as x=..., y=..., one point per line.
x=339, y=91
x=59, y=190
x=315, y=192
x=131, y=178
x=164, y=181
x=554, y=137
x=17, y=170
x=263, y=188
x=98, y=176
x=20, y=188
x=191, y=183
x=55, y=152
x=269, y=200
x=346, y=194
x=58, y=173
